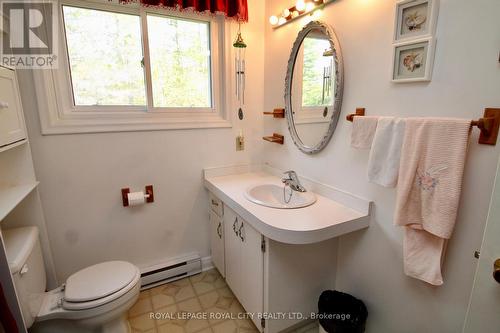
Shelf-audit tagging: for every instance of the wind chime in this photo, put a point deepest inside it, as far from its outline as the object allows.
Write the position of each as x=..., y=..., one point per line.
x=239, y=67
x=327, y=75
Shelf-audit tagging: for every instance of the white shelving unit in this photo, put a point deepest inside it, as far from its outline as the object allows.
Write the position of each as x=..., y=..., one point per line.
x=20, y=203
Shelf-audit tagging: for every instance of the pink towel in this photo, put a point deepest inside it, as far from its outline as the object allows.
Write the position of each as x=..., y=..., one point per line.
x=363, y=130
x=430, y=178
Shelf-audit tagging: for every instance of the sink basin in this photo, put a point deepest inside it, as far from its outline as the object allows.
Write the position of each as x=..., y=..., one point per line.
x=271, y=195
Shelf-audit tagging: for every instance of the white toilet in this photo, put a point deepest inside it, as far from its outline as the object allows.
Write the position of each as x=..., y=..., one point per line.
x=94, y=299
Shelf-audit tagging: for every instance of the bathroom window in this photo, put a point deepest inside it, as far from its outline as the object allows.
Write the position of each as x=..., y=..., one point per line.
x=126, y=67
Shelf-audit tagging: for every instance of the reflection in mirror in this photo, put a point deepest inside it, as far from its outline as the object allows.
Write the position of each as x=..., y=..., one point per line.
x=314, y=87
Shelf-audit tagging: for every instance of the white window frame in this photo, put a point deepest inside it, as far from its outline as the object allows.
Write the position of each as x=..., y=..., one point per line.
x=59, y=115
x=306, y=114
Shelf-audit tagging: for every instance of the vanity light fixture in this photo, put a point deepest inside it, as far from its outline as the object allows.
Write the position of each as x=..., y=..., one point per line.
x=301, y=8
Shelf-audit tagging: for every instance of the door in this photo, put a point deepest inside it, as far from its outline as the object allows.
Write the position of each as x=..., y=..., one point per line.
x=11, y=117
x=232, y=250
x=252, y=271
x=244, y=263
x=483, y=314
x=217, y=242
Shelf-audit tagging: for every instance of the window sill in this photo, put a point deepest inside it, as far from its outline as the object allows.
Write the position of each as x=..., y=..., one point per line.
x=136, y=121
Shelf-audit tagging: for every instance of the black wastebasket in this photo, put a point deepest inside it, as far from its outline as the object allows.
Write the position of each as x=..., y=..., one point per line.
x=341, y=313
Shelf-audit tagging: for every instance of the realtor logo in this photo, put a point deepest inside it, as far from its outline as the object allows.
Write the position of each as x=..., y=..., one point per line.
x=29, y=34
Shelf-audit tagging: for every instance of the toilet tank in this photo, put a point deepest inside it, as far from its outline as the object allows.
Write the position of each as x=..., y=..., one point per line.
x=26, y=265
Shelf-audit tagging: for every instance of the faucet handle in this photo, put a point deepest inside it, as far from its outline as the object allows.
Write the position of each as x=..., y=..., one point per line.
x=289, y=173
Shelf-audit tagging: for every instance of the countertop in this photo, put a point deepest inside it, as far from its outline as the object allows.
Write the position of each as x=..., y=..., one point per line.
x=323, y=220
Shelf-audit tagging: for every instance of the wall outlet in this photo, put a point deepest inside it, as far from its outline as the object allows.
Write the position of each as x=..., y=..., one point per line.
x=240, y=143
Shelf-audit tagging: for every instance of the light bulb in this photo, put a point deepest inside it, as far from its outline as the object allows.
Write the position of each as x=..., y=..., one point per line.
x=317, y=14
x=273, y=20
x=286, y=13
x=295, y=14
x=281, y=20
x=309, y=6
x=300, y=5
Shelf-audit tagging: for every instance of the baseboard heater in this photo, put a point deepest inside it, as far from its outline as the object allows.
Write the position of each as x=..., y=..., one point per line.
x=170, y=271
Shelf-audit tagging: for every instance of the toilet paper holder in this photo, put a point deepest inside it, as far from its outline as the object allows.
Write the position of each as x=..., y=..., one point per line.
x=148, y=195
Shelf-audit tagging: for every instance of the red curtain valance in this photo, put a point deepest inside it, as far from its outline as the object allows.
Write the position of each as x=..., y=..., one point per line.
x=237, y=9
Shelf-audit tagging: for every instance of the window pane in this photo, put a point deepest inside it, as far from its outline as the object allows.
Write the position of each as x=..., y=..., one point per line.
x=105, y=53
x=316, y=73
x=180, y=62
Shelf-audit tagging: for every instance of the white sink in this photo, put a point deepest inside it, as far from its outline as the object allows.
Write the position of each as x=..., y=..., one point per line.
x=271, y=195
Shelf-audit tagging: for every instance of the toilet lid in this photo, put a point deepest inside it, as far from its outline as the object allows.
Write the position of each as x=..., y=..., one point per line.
x=99, y=281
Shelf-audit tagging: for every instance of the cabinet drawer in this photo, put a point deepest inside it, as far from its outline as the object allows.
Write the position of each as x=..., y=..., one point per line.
x=215, y=205
x=11, y=117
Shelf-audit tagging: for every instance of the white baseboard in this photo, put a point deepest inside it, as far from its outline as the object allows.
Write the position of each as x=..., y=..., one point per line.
x=206, y=263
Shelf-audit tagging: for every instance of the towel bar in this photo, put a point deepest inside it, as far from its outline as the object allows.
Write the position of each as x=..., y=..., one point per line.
x=488, y=125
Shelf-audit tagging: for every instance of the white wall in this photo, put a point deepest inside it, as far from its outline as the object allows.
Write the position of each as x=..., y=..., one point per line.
x=81, y=177
x=466, y=80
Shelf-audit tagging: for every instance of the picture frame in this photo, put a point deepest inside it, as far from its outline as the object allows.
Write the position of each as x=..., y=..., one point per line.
x=413, y=60
x=415, y=19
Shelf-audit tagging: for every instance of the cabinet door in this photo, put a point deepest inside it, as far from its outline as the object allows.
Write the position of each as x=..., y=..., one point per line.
x=252, y=271
x=11, y=117
x=217, y=242
x=232, y=251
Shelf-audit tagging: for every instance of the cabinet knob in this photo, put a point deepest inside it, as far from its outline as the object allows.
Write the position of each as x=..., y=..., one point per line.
x=496, y=270
x=4, y=105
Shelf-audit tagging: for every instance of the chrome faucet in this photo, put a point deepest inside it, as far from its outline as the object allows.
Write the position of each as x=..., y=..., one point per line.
x=293, y=181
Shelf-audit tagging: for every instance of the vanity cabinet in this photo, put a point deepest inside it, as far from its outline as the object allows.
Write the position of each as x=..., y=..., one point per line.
x=269, y=277
x=12, y=129
x=279, y=261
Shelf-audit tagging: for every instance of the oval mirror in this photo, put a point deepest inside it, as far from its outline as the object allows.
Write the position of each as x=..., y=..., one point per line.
x=313, y=87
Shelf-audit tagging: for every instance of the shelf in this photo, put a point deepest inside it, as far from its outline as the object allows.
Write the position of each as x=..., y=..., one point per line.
x=276, y=138
x=276, y=113
x=11, y=196
x=13, y=145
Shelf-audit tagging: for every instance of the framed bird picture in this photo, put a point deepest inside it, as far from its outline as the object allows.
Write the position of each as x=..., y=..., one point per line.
x=415, y=19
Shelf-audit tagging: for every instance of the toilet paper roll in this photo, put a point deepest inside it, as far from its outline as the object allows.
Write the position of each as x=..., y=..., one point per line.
x=136, y=198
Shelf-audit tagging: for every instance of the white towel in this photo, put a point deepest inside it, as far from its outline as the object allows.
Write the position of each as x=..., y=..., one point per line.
x=363, y=130
x=383, y=163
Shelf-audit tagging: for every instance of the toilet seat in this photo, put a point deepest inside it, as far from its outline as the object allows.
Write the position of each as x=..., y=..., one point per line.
x=99, y=284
